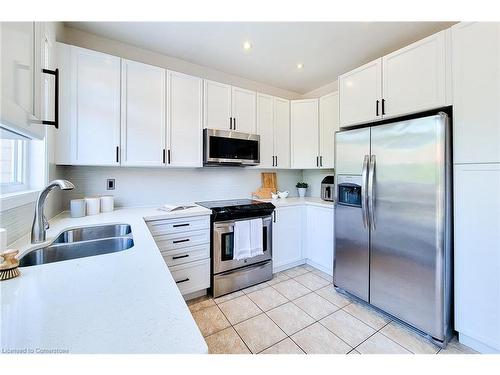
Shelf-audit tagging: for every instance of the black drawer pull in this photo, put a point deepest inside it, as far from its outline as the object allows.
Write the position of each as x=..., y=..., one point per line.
x=180, y=225
x=182, y=281
x=179, y=241
x=180, y=256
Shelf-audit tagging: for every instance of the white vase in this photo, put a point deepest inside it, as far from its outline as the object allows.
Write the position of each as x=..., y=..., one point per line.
x=302, y=192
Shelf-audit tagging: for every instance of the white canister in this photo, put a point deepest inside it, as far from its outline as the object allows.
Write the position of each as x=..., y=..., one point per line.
x=107, y=203
x=93, y=205
x=77, y=207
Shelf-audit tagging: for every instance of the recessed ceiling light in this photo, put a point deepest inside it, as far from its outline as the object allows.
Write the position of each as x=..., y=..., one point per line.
x=300, y=66
x=247, y=45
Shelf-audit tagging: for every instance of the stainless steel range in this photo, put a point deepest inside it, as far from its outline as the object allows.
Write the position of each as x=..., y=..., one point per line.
x=229, y=274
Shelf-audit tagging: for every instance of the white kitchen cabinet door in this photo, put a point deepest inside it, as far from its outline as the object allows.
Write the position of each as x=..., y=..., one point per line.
x=282, y=132
x=20, y=61
x=414, y=77
x=63, y=145
x=142, y=114
x=328, y=125
x=476, y=92
x=185, y=120
x=304, y=133
x=95, y=107
x=287, y=236
x=217, y=105
x=477, y=255
x=265, y=128
x=360, y=94
x=243, y=110
x=319, y=238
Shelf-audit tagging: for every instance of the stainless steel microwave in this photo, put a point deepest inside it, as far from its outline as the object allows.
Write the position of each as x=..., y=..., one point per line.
x=227, y=147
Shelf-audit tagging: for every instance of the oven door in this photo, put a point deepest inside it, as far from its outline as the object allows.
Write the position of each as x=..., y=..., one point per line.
x=223, y=241
x=230, y=147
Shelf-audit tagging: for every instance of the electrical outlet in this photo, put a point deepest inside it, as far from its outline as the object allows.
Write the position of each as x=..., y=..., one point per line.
x=110, y=184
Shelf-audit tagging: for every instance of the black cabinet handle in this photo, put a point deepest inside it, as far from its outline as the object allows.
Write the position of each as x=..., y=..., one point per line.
x=321, y=161
x=383, y=106
x=182, y=281
x=179, y=241
x=376, y=107
x=168, y=154
x=276, y=161
x=274, y=216
x=230, y=123
x=317, y=161
x=234, y=123
x=180, y=256
x=180, y=225
x=163, y=156
x=273, y=160
x=54, y=123
x=117, y=154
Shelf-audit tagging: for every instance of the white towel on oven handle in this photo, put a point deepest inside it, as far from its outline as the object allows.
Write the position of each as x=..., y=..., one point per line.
x=247, y=239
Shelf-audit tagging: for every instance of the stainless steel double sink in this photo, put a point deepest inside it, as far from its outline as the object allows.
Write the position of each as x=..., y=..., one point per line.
x=82, y=242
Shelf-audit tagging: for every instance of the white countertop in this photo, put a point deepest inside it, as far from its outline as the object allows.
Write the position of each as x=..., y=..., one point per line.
x=296, y=201
x=124, y=302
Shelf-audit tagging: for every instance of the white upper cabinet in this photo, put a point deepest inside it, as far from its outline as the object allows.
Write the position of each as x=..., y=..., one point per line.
x=217, y=106
x=243, y=110
x=328, y=125
x=21, y=77
x=476, y=92
x=95, y=107
x=229, y=108
x=304, y=133
x=142, y=114
x=265, y=128
x=273, y=126
x=282, y=132
x=414, y=77
x=360, y=94
x=185, y=120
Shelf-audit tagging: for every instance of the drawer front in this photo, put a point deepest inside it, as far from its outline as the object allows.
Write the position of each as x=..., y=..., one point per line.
x=183, y=224
x=182, y=240
x=192, y=277
x=186, y=255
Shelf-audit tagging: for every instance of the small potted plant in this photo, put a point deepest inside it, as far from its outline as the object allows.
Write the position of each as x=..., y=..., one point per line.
x=301, y=188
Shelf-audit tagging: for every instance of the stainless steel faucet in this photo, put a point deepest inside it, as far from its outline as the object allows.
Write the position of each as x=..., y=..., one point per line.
x=40, y=223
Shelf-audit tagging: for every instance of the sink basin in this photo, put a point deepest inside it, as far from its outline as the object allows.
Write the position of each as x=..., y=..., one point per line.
x=93, y=233
x=57, y=252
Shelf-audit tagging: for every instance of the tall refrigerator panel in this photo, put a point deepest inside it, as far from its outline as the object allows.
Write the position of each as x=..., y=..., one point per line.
x=352, y=257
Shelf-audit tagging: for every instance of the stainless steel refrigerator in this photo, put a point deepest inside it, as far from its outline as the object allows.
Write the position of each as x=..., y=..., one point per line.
x=393, y=220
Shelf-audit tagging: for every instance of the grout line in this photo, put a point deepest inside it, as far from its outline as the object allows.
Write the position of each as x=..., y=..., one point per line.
x=232, y=326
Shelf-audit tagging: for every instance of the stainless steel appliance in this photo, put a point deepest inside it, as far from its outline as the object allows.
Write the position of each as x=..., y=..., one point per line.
x=327, y=188
x=229, y=274
x=393, y=220
x=227, y=147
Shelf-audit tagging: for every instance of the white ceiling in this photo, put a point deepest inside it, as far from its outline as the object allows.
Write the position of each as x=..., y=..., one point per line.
x=327, y=49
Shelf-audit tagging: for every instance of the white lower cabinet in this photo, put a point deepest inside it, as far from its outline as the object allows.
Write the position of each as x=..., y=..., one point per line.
x=192, y=277
x=287, y=237
x=477, y=255
x=184, y=244
x=319, y=238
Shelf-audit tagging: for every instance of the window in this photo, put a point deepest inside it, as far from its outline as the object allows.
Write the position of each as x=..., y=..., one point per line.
x=13, y=167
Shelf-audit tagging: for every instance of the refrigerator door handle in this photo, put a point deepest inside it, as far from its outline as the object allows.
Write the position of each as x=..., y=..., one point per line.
x=371, y=192
x=364, y=200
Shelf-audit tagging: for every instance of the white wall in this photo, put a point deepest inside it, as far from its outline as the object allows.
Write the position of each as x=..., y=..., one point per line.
x=314, y=177
x=323, y=90
x=156, y=186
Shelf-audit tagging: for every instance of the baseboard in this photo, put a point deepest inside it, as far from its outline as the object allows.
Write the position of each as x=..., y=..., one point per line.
x=328, y=271
x=476, y=345
x=194, y=295
x=288, y=265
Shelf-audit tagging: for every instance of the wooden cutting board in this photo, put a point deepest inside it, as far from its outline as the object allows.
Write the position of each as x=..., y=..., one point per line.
x=269, y=185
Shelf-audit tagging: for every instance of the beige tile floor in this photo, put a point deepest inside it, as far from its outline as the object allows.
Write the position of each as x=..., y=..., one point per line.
x=298, y=312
